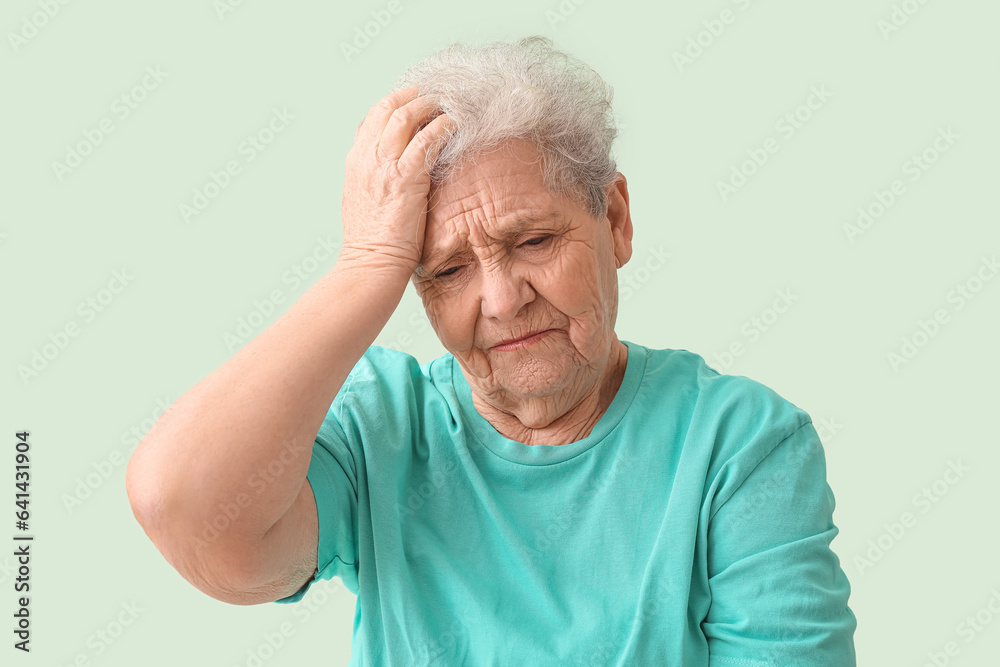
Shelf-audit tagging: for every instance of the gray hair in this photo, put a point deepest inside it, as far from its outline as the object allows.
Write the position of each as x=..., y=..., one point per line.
x=524, y=90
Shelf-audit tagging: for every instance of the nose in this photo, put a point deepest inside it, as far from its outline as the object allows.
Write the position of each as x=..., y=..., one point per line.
x=504, y=293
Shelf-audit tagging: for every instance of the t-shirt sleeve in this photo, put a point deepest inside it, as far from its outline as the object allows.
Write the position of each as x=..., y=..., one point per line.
x=333, y=477
x=779, y=595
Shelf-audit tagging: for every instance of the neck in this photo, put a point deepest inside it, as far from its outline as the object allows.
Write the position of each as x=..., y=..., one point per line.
x=564, y=417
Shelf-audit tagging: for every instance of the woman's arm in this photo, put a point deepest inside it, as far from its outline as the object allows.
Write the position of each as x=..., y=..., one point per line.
x=219, y=483
x=212, y=479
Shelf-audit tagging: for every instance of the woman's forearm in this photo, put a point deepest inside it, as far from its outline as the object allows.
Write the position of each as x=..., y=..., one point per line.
x=228, y=459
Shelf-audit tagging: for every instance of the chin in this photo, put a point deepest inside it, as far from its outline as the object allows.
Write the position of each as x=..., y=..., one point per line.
x=530, y=377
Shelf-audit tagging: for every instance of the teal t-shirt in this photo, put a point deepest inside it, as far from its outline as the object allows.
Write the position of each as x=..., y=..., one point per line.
x=691, y=528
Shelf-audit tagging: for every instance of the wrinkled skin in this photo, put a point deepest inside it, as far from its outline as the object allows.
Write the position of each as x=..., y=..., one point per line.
x=557, y=274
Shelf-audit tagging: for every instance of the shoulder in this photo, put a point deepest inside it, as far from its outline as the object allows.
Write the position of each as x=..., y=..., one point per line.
x=386, y=382
x=389, y=370
x=384, y=398
x=733, y=397
x=739, y=418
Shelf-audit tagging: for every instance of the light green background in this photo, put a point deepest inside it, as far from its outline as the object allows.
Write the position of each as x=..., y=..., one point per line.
x=683, y=129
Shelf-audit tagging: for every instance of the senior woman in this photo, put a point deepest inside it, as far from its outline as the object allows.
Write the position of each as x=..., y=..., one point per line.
x=542, y=494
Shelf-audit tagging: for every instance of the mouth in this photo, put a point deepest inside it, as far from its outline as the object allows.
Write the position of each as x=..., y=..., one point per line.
x=517, y=343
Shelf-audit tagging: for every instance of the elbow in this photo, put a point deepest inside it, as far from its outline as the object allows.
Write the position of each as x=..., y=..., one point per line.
x=219, y=568
x=144, y=493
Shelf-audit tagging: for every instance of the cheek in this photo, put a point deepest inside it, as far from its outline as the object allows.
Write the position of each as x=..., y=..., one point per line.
x=573, y=285
x=452, y=320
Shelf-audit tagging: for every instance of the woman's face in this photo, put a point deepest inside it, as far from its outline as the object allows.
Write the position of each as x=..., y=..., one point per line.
x=503, y=257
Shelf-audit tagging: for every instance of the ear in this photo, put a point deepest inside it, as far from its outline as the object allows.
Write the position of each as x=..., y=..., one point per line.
x=620, y=218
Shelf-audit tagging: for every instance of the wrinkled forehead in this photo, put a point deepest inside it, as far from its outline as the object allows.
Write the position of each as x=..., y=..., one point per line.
x=499, y=196
x=490, y=180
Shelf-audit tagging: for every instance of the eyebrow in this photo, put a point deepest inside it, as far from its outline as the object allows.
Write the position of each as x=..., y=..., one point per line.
x=520, y=225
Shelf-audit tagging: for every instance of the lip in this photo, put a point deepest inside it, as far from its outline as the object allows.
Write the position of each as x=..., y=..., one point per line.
x=517, y=343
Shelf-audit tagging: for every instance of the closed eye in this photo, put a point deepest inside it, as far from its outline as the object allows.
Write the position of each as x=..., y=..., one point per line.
x=533, y=243
x=447, y=272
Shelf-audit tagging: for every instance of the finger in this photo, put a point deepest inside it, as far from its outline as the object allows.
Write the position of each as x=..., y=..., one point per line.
x=379, y=114
x=426, y=144
x=403, y=125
